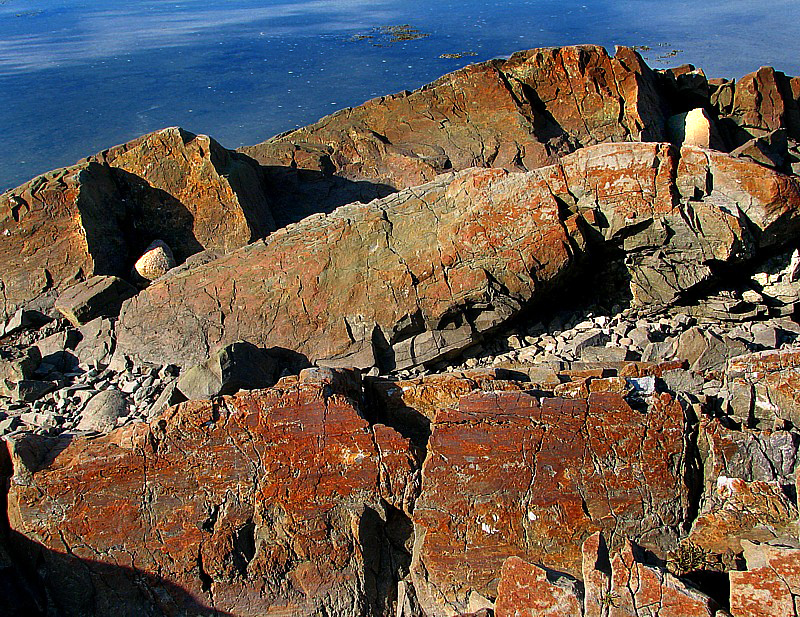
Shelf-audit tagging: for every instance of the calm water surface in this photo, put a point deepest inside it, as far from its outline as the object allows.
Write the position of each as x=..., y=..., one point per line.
x=77, y=76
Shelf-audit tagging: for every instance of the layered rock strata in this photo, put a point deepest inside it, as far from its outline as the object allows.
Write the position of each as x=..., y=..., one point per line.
x=424, y=272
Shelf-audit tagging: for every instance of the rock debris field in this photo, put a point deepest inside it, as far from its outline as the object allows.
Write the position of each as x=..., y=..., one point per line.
x=525, y=341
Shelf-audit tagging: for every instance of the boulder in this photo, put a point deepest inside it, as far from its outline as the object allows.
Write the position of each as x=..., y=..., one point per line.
x=189, y=191
x=103, y=410
x=76, y=222
x=273, y=502
x=397, y=282
x=99, y=296
x=56, y=228
x=156, y=261
x=238, y=366
x=418, y=293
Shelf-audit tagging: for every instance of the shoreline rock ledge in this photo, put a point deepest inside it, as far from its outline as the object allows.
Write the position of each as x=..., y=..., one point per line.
x=521, y=342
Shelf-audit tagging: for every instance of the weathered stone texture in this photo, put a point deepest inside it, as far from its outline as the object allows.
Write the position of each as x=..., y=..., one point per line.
x=518, y=114
x=506, y=475
x=368, y=284
x=276, y=502
x=771, y=584
x=59, y=227
x=190, y=192
x=774, y=377
x=526, y=590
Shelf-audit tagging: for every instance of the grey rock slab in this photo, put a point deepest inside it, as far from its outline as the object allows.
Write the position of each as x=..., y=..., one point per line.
x=235, y=367
x=103, y=410
x=96, y=346
x=99, y=296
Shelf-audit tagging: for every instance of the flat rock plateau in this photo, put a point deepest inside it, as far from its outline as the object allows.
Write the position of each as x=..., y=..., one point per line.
x=522, y=342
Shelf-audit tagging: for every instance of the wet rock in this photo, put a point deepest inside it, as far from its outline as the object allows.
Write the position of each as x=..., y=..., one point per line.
x=99, y=296
x=238, y=366
x=103, y=410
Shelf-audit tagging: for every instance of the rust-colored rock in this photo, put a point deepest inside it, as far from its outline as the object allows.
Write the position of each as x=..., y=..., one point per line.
x=397, y=282
x=98, y=216
x=774, y=377
x=507, y=475
x=273, y=502
x=740, y=510
x=639, y=590
x=57, y=229
x=190, y=192
x=422, y=273
x=520, y=113
x=526, y=590
x=771, y=584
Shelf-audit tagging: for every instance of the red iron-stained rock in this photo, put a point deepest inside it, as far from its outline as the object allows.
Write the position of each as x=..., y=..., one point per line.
x=272, y=502
x=507, y=475
x=191, y=192
x=397, y=282
x=638, y=590
x=771, y=584
x=526, y=590
x=775, y=377
x=79, y=221
x=518, y=114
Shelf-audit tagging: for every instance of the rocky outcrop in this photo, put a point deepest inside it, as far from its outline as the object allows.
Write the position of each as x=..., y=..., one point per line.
x=59, y=228
x=190, y=192
x=517, y=114
x=423, y=273
x=507, y=474
x=654, y=406
x=281, y=502
x=393, y=283
x=97, y=217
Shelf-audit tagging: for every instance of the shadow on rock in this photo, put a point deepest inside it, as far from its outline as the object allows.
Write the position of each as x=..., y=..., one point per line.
x=298, y=193
x=78, y=586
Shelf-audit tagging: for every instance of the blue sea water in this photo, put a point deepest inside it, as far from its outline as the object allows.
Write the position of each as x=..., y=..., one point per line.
x=77, y=76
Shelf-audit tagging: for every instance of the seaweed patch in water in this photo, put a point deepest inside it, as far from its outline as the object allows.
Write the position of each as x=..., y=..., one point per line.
x=391, y=34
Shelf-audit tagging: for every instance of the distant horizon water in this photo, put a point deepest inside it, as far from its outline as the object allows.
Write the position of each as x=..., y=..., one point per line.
x=78, y=76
